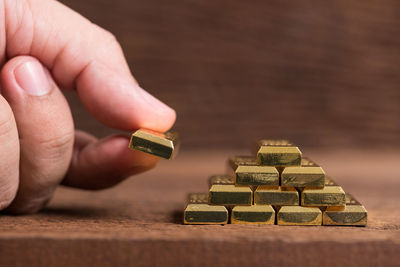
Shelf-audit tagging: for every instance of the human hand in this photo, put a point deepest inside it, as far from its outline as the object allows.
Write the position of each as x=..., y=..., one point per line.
x=43, y=46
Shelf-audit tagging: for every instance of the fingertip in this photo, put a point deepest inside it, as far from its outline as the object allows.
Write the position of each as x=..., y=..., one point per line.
x=116, y=100
x=165, y=115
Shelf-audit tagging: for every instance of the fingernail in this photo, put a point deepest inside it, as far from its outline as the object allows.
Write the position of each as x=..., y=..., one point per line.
x=154, y=102
x=31, y=77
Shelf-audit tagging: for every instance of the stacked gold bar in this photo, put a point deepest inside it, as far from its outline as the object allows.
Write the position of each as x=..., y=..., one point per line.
x=275, y=186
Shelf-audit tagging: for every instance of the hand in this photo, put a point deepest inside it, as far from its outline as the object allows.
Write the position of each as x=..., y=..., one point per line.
x=44, y=46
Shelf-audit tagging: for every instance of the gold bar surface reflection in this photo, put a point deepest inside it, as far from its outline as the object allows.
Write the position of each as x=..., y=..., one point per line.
x=277, y=197
x=327, y=196
x=296, y=215
x=247, y=172
x=162, y=145
x=230, y=195
x=308, y=175
x=205, y=214
x=262, y=214
x=354, y=214
x=278, y=153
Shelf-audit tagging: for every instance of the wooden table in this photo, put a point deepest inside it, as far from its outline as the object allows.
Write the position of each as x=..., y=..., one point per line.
x=139, y=222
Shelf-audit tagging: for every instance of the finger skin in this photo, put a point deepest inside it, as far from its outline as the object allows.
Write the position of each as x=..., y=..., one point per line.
x=89, y=60
x=99, y=164
x=46, y=135
x=9, y=155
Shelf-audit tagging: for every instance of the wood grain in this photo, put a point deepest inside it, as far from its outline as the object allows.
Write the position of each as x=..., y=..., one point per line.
x=320, y=73
x=140, y=222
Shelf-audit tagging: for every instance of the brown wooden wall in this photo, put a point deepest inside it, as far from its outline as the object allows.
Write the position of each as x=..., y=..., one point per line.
x=323, y=73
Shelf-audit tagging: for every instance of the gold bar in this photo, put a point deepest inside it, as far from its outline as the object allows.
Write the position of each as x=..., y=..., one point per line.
x=330, y=182
x=162, y=145
x=354, y=214
x=278, y=197
x=257, y=175
x=278, y=153
x=237, y=161
x=205, y=214
x=308, y=175
x=197, y=198
x=296, y=215
x=327, y=196
x=221, y=179
x=262, y=214
x=248, y=173
x=230, y=195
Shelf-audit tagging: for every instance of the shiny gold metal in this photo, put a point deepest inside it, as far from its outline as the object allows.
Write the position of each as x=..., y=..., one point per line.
x=221, y=179
x=205, y=214
x=329, y=181
x=159, y=144
x=197, y=198
x=327, y=196
x=354, y=214
x=278, y=153
x=247, y=172
x=308, y=175
x=230, y=195
x=306, y=162
x=261, y=214
x=237, y=161
x=278, y=197
x=296, y=215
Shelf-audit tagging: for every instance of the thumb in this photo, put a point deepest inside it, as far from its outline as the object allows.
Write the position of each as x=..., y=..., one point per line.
x=84, y=57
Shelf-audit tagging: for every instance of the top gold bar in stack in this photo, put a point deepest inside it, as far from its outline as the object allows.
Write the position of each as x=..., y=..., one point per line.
x=275, y=186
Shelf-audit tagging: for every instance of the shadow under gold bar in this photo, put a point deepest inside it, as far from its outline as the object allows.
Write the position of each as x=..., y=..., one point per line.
x=261, y=214
x=229, y=195
x=278, y=153
x=164, y=145
x=199, y=212
x=277, y=197
x=296, y=215
x=308, y=175
x=354, y=214
x=247, y=172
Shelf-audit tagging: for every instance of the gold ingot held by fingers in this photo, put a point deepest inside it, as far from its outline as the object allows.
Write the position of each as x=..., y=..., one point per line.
x=162, y=145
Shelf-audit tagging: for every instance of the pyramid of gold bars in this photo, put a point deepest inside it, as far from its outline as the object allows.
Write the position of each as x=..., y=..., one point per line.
x=275, y=186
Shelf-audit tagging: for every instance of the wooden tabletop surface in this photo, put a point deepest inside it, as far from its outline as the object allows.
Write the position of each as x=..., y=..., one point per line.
x=139, y=222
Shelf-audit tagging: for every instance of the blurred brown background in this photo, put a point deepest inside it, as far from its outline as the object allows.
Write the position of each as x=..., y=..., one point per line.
x=324, y=74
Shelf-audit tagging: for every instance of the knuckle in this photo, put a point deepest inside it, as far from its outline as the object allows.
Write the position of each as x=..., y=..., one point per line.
x=108, y=36
x=19, y=18
x=108, y=40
